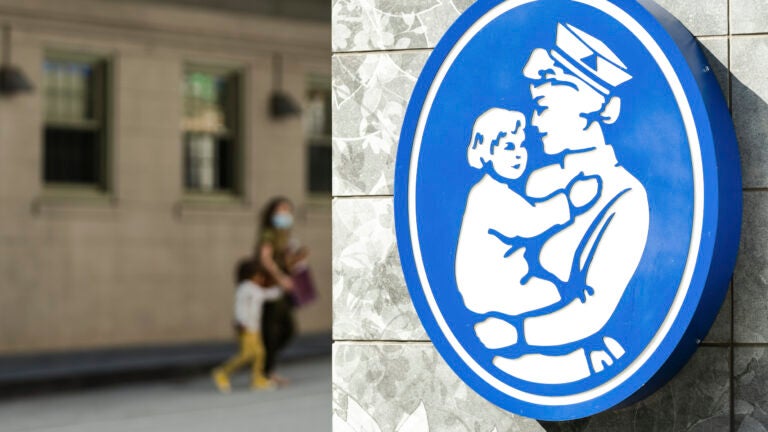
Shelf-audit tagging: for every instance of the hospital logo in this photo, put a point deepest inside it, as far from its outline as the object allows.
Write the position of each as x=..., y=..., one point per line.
x=560, y=186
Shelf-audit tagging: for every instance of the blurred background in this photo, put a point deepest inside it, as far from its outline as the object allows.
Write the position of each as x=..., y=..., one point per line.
x=138, y=141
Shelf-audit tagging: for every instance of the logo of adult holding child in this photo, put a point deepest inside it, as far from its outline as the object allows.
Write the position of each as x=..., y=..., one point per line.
x=550, y=203
x=562, y=247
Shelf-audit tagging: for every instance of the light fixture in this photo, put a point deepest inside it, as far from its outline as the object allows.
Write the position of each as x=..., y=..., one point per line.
x=281, y=103
x=12, y=79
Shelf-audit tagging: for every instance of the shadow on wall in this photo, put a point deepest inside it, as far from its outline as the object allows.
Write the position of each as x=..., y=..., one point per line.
x=700, y=396
x=566, y=426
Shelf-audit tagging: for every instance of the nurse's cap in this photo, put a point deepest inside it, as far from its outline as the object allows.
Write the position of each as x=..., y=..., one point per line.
x=589, y=59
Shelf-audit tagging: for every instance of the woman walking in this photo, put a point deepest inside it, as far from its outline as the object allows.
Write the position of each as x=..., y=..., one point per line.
x=278, y=252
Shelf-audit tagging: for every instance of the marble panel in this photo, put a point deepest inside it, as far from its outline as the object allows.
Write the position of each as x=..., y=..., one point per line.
x=749, y=16
x=374, y=25
x=382, y=386
x=720, y=332
x=750, y=375
x=701, y=17
x=750, y=281
x=696, y=400
x=370, y=95
x=749, y=92
x=377, y=25
x=716, y=50
x=407, y=387
x=370, y=299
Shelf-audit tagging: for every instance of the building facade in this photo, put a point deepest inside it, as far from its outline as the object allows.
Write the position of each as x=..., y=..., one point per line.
x=386, y=372
x=132, y=174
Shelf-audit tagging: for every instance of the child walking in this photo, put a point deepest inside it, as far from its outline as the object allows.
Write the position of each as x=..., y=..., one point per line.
x=252, y=292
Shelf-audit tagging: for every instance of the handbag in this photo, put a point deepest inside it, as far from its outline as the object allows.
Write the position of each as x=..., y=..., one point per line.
x=304, y=290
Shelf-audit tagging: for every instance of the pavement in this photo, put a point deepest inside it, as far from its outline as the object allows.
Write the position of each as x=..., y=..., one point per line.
x=190, y=404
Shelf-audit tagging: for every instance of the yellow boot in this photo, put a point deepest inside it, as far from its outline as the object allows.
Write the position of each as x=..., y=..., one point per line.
x=221, y=381
x=263, y=384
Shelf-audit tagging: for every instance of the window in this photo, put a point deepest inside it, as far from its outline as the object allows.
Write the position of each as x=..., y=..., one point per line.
x=210, y=130
x=75, y=135
x=317, y=119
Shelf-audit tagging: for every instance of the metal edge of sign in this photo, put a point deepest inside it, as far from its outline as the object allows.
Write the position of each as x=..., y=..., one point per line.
x=724, y=187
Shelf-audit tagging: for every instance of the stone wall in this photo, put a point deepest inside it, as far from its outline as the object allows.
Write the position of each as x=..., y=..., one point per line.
x=145, y=263
x=387, y=375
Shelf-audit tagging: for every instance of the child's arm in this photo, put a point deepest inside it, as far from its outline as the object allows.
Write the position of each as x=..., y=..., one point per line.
x=274, y=293
x=533, y=219
x=523, y=219
x=548, y=180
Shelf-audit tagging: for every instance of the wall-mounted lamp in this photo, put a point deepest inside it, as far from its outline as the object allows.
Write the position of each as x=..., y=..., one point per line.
x=12, y=79
x=281, y=103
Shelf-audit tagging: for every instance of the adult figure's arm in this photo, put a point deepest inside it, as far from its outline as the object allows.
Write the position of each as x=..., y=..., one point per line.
x=607, y=263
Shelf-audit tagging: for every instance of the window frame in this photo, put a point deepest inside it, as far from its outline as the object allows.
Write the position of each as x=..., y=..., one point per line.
x=318, y=81
x=236, y=105
x=103, y=90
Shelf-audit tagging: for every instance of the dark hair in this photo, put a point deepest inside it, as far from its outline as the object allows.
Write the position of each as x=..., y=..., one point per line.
x=244, y=270
x=247, y=268
x=269, y=210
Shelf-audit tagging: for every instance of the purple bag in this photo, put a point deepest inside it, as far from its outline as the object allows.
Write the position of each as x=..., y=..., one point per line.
x=304, y=290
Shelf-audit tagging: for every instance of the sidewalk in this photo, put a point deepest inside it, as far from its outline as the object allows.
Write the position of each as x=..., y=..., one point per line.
x=189, y=405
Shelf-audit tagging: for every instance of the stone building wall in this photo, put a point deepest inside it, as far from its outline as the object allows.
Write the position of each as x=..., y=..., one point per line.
x=386, y=375
x=144, y=263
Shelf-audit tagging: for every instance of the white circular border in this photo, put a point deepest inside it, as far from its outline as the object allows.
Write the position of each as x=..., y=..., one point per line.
x=698, y=205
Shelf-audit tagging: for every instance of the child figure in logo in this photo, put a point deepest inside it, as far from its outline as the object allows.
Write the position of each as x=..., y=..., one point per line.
x=500, y=225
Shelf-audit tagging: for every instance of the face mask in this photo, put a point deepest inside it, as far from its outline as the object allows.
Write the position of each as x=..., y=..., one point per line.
x=282, y=220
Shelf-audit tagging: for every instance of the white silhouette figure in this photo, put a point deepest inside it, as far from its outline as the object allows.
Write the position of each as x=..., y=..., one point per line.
x=588, y=256
x=488, y=277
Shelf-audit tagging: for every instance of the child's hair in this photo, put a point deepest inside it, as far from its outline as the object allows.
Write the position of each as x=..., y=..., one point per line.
x=489, y=128
x=247, y=268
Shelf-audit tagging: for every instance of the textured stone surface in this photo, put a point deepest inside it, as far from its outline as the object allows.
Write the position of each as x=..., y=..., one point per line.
x=750, y=283
x=720, y=332
x=701, y=17
x=374, y=25
x=749, y=59
x=409, y=388
x=749, y=16
x=368, y=25
x=716, y=50
x=370, y=300
x=370, y=94
x=750, y=370
x=386, y=384
x=697, y=399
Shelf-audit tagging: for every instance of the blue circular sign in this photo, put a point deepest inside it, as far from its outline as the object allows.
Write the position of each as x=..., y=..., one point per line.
x=567, y=202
